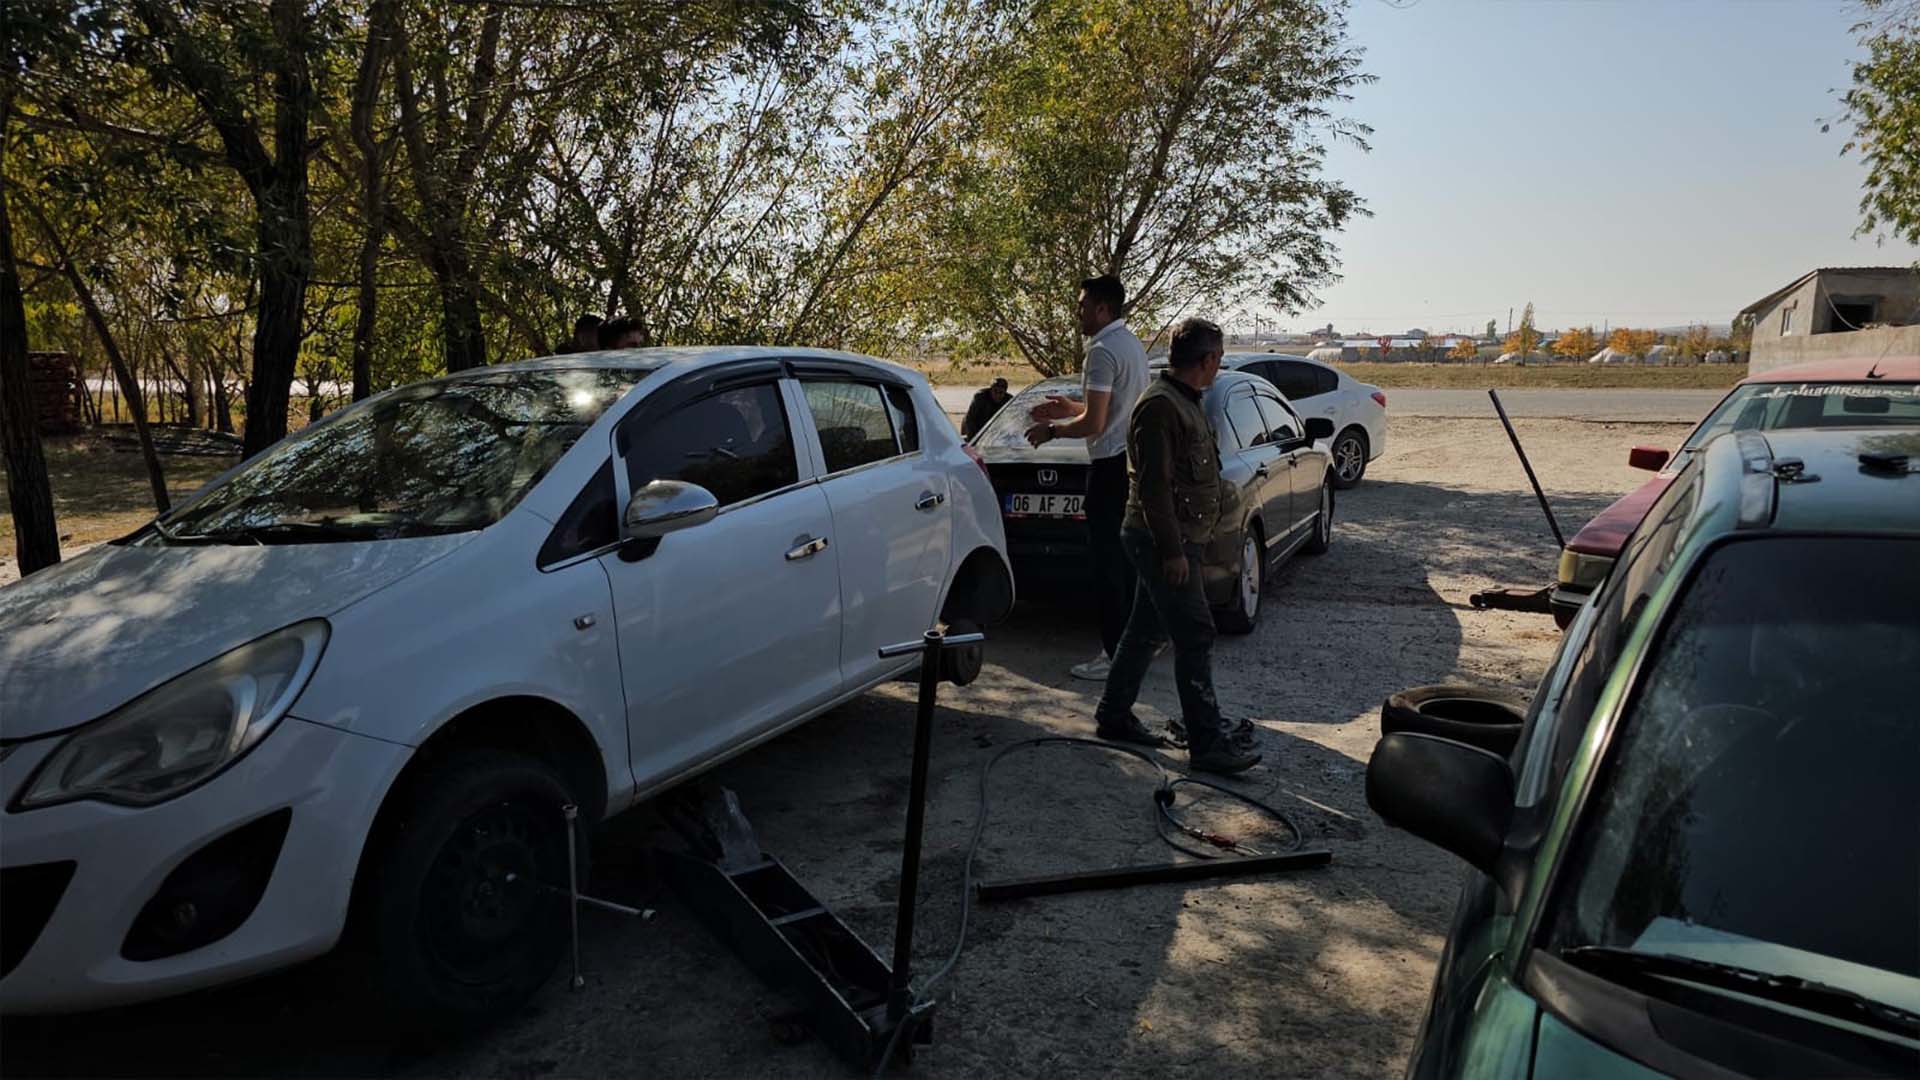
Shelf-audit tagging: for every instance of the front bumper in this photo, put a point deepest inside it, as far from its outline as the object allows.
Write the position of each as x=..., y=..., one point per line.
x=331, y=781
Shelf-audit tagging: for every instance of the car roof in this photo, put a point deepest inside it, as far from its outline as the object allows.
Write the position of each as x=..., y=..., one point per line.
x=682, y=357
x=1853, y=369
x=1835, y=489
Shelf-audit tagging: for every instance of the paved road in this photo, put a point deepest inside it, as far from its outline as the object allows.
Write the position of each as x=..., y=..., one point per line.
x=1647, y=406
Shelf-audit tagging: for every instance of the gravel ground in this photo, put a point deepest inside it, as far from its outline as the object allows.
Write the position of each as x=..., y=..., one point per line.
x=1322, y=973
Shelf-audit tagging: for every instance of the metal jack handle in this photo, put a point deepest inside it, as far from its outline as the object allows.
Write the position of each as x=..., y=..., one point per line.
x=930, y=646
x=572, y=814
x=1527, y=465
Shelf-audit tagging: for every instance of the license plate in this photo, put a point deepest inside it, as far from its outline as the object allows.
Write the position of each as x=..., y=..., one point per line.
x=1053, y=506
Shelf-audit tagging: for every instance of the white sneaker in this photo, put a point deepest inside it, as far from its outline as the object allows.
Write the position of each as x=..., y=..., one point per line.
x=1094, y=670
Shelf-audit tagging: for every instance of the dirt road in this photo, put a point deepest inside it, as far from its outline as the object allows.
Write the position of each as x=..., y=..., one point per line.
x=1324, y=973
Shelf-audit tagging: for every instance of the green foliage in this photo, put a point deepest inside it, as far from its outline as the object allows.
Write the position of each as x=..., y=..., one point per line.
x=1883, y=107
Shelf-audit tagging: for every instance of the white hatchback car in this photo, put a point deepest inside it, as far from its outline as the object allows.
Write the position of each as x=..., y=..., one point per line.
x=350, y=685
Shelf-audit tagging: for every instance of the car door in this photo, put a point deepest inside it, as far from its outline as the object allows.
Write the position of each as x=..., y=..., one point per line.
x=728, y=628
x=1262, y=471
x=1303, y=385
x=891, y=512
x=1304, y=470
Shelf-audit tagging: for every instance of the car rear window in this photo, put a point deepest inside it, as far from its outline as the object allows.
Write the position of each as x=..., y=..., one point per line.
x=1770, y=406
x=1758, y=804
x=1008, y=428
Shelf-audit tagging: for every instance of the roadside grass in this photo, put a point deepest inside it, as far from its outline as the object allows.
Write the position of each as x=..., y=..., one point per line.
x=1468, y=376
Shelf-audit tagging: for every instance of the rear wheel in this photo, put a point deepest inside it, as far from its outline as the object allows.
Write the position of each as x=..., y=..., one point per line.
x=1349, y=457
x=1242, y=612
x=459, y=928
x=1322, y=537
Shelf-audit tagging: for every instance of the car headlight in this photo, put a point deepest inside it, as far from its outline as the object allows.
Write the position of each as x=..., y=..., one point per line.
x=1583, y=571
x=182, y=732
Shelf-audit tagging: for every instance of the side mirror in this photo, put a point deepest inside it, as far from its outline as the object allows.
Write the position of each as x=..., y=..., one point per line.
x=1650, y=458
x=1454, y=796
x=665, y=506
x=1319, y=427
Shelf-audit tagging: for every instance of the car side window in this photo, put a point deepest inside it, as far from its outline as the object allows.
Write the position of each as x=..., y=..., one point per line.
x=1281, y=423
x=906, y=421
x=854, y=422
x=735, y=443
x=1650, y=554
x=1294, y=379
x=591, y=521
x=1325, y=380
x=1248, y=425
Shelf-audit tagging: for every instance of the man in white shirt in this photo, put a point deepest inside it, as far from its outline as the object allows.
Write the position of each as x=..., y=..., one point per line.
x=1111, y=381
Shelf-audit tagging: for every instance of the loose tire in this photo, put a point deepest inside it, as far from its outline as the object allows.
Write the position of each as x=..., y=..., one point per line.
x=1476, y=715
x=458, y=930
x=1349, y=457
x=1242, y=612
x=961, y=664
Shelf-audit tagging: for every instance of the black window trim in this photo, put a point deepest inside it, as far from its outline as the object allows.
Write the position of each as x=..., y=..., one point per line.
x=612, y=465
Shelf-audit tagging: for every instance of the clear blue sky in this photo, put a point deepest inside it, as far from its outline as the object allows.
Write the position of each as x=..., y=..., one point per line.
x=1646, y=163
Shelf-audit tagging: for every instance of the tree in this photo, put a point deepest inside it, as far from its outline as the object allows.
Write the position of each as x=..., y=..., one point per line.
x=1577, y=343
x=1178, y=146
x=1464, y=349
x=29, y=492
x=1493, y=330
x=1883, y=108
x=1526, y=339
x=1632, y=342
x=212, y=52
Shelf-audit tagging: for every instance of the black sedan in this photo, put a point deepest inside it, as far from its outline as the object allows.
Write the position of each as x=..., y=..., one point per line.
x=1279, y=498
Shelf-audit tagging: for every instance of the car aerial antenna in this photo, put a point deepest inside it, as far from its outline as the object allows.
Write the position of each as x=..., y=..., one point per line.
x=1874, y=372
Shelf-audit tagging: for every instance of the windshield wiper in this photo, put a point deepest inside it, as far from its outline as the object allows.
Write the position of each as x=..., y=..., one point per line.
x=1817, y=997
x=320, y=530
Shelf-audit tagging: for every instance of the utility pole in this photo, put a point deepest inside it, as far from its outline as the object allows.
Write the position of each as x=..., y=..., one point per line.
x=1509, y=320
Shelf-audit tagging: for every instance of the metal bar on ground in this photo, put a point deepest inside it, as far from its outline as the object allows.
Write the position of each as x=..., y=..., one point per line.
x=1527, y=465
x=1122, y=876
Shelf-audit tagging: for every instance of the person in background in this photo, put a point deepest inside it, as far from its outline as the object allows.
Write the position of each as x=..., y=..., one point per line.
x=1173, y=506
x=622, y=333
x=1111, y=381
x=985, y=403
x=586, y=335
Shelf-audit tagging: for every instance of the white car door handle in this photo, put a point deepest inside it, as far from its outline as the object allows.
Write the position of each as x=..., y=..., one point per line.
x=928, y=500
x=807, y=549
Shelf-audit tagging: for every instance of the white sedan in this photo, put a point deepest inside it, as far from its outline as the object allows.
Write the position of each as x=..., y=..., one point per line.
x=1358, y=410
x=365, y=671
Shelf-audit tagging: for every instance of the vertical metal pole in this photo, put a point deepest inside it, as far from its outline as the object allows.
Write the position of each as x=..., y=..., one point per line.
x=901, y=990
x=1527, y=465
x=572, y=813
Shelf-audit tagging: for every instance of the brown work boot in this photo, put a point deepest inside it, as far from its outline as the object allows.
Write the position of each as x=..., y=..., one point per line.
x=1225, y=757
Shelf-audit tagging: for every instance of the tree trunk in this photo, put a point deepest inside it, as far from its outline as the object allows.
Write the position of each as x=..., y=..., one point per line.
x=466, y=343
x=189, y=385
x=285, y=236
x=121, y=372
x=373, y=194
x=29, y=493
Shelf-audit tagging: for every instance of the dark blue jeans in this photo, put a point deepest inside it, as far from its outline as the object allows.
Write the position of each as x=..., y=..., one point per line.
x=1163, y=611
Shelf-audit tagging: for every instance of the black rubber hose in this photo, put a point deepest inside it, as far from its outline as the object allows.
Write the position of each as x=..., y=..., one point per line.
x=1163, y=797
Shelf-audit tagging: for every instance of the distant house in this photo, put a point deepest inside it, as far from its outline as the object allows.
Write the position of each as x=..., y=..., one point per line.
x=1836, y=313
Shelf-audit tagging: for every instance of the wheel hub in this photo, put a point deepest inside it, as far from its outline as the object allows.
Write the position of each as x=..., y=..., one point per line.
x=481, y=894
x=1250, y=574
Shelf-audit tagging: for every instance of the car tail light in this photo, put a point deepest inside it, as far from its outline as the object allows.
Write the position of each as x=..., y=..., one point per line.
x=977, y=459
x=1381, y=397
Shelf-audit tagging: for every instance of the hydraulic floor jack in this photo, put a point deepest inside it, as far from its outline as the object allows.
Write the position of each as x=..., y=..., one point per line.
x=851, y=998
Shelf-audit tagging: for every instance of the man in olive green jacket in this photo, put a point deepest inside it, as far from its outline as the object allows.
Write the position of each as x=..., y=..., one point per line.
x=1173, y=505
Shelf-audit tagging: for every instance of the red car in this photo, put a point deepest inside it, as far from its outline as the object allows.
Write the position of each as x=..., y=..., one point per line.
x=1827, y=393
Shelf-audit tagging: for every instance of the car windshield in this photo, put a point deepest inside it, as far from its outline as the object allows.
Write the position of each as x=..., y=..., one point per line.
x=431, y=458
x=1758, y=806
x=1008, y=428
x=1767, y=406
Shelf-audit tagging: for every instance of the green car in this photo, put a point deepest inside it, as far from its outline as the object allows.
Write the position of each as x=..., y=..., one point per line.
x=1701, y=856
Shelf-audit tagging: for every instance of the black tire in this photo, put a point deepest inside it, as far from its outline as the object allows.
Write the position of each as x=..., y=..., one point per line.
x=1476, y=715
x=1349, y=457
x=450, y=943
x=1242, y=613
x=1322, y=537
x=961, y=665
